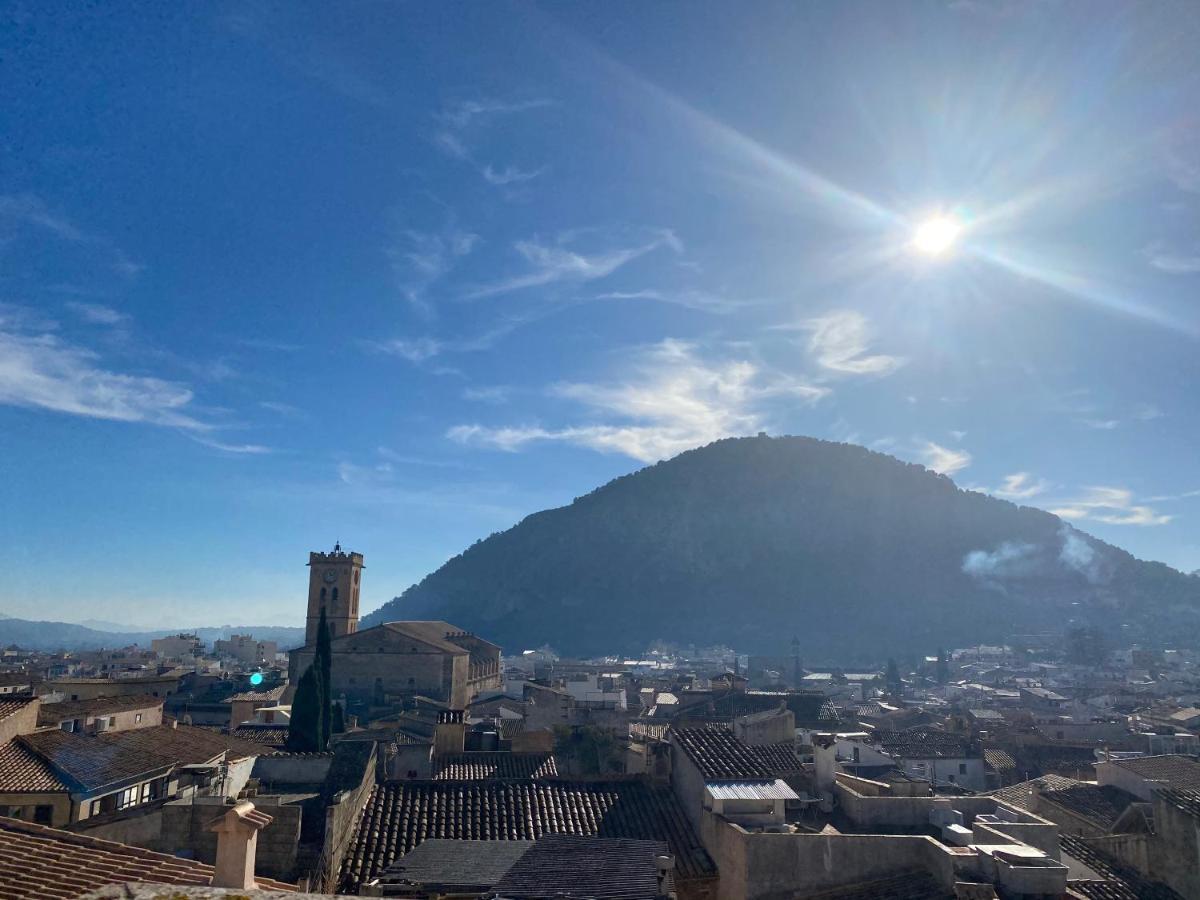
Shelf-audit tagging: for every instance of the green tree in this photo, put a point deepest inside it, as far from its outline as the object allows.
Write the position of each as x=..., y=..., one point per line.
x=942, y=673
x=305, y=728
x=588, y=750
x=339, y=719
x=895, y=685
x=323, y=663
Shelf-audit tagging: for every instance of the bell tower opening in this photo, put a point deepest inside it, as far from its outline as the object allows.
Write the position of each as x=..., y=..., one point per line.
x=333, y=585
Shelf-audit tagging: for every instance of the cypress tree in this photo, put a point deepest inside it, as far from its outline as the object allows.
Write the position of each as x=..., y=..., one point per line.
x=305, y=727
x=339, y=719
x=323, y=663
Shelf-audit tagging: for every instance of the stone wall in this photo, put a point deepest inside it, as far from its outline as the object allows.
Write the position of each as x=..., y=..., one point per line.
x=346, y=805
x=763, y=866
x=1175, y=854
x=184, y=828
x=292, y=768
x=22, y=721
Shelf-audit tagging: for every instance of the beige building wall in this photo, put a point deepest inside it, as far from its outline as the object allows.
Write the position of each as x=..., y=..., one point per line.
x=22, y=721
x=90, y=688
x=23, y=805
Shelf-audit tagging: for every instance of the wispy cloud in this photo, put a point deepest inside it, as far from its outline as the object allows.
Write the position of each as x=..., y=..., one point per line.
x=42, y=371
x=943, y=460
x=688, y=298
x=464, y=118
x=1173, y=262
x=1111, y=505
x=30, y=211
x=422, y=258
x=492, y=394
x=252, y=449
x=675, y=401
x=549, y=262
x=1021, y=486
x=415, y=350
x=97, y=313
x=1101, y=424
x=840, y=343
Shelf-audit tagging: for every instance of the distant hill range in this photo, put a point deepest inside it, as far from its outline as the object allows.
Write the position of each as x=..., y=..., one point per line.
x=32, y=635
x=751, y=541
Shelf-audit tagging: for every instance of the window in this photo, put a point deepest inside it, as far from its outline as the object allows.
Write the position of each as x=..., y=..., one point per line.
x=335, y=595
x=43, y=815
x=95, y=810
x=137, y=718
x=962, y=768
x=112, y=721
x=322, y=596
x=128, y=797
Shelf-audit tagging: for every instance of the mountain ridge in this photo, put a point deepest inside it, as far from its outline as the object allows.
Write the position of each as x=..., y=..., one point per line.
x=751, y=540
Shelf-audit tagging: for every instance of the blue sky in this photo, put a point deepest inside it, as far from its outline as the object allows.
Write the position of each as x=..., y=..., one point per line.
x=401, y=274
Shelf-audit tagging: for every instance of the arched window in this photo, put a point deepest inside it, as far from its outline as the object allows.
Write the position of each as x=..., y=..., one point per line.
x=335, y=595
x=322, y=595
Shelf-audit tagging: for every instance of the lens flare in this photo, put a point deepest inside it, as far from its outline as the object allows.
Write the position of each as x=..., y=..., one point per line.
x=256, y=679
x=936, y=236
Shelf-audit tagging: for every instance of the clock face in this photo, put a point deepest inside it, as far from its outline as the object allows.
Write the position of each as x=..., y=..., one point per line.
x=330, y=576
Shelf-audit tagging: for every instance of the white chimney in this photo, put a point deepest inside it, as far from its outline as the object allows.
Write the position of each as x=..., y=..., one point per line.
x=237, y=840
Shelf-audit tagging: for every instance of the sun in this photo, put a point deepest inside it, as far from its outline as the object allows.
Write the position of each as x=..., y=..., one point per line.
x=936, y=235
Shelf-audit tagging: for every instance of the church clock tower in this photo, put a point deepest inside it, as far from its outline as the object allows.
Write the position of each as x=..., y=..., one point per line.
x=333, y=583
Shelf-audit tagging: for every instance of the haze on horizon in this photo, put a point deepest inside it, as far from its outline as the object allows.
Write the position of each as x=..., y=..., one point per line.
x=274, y=275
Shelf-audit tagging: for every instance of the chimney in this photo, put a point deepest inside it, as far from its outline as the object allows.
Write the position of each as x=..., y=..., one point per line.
x=449, y=735
x=237, y=840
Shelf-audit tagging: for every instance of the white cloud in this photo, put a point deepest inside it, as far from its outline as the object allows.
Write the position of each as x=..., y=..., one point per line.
x=1101, y=424
x=97, y=313
x=415, y=350
x=1021, y=486
x=420, y=259
x=548, y=263
x=44, y=372
x=30, y=211
x=944, y=460
x=253, y=449
x=840, y=342
x=1111, y=505
x=466, y=116
x=675, y=401
x=691, y=299
x=509, y=175
x=491, y=394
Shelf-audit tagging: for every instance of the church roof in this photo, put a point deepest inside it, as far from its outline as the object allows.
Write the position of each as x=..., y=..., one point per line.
x=434, y=634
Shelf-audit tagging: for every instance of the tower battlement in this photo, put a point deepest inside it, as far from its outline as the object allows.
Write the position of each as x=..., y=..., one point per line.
x=333, y=589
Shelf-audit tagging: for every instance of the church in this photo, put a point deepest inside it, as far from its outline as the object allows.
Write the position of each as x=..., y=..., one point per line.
x=389, y=663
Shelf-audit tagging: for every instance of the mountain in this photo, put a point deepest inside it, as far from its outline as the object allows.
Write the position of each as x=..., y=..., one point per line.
x=34, y=635
x=750, y=541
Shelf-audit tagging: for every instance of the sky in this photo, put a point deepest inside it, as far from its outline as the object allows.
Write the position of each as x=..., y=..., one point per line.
x=400, y=274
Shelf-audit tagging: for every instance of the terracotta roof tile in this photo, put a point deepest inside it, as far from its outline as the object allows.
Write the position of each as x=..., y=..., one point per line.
x=37, y=862
x=1182, y=772
x=1101, y=804
x=23, y=770
x=476, y=766
x=400, y=815
x=1117, y=881
x=720, y=755
x=565, y=865
x=53, y=713
x=924, y=743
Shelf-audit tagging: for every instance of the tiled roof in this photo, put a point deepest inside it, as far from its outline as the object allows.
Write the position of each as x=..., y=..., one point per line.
x=23, y=770
x=53, y=713
x=456, y=866
x=999, y=760
x=479, y=765
x=1185, y=801
x=38, y=862
x=809, y=707
x=1102, y=804
x=915, y=885
x=1182, y=772
x=1019, y=795
x=649, y=731
x=267, y=735
x=566, y=865
x=269, y=696
x=400, y=815
x=95, y=760
x=719, y=755
x=1119, y=882
x=8, y=707
x=924, y=743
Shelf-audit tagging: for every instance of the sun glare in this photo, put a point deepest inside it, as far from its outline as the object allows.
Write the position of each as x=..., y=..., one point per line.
x=937, y=235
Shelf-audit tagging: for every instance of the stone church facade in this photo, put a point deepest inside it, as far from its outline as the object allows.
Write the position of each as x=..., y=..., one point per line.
x=383, y=665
